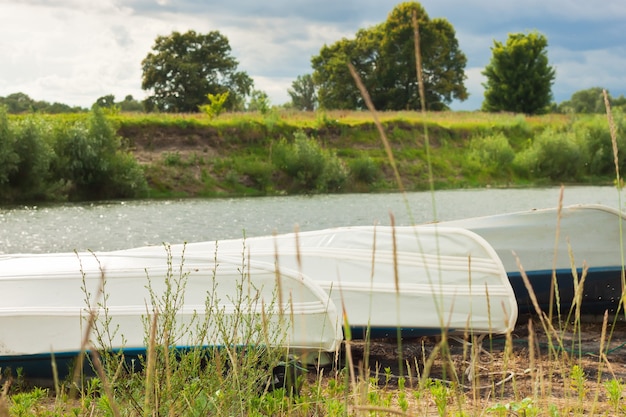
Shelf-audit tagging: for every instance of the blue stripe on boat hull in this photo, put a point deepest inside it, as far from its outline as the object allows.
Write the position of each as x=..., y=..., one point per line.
x=602, y=290
x=40, y=366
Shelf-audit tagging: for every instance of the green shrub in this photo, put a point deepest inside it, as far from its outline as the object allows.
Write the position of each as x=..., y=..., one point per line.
x=598, y=146
x=33, y=176
x=518, y=131
x=257, y=171
x=365, y=170
x=552, y=155
x=90, y=158
x=8, y=157
x=493, y=153
x=309, y=165
x=215, y=106
x=172, y=159
x=335, y=174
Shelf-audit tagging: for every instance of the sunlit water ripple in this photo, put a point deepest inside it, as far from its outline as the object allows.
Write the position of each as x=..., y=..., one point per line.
x=124, y=224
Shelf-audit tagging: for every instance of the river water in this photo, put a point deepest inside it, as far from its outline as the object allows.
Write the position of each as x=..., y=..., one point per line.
x=125, y=224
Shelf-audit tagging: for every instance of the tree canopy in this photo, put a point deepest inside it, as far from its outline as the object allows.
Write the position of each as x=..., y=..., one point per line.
x=590, y=100
x=519, y=78
x=384, y=57
x=302, y=93
x=17, y=103
x=184, y=67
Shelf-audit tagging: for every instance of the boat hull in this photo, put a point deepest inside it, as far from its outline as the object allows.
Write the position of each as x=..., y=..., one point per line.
x=555, y=249
x=411, y=281
x=50, y=301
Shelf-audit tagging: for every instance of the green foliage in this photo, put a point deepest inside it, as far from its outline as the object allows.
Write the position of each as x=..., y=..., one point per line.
x=524, y=407
x=494, y=154
x=184, y=67
x=105, y=101
x=20, y=103
x=384, y=57
x=440, y=394
x=553, y=155
x=365, y=170
x=257, y=172
x=614, y=389
x=577, y=380
x=216, y=104
x=33, y=176
x=302, y=93
x=129, y=104
x=234, y=378
x=590, y=100
x=259, y=101
x=8, y=157
x=519, y=78
x=598, y=146
x=312, y=167
x=27, y=404
x=91, y=161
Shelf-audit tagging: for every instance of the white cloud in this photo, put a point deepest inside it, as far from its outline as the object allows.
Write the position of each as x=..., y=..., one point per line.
x=74, y=51
x=581, y=70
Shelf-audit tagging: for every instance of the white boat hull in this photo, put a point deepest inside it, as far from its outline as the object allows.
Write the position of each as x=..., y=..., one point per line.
x=548, y=242
x=45, y=307
x=416, y=279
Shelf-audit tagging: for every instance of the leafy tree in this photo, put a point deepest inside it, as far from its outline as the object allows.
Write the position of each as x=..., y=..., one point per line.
x=184, y=67
x=590, y=100
x=384, y=57
x=216, y=104
x=129, y=104
x=106, y=101
x=302, y=93
x=259, y=101
x=519, y=78
x=57, y=108
x=18, y=103
x=336, y=88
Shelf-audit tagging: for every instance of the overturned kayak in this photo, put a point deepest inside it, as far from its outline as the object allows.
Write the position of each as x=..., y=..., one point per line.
x=554, y=246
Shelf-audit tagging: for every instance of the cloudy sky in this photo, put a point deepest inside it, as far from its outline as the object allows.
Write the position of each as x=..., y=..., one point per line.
x=74, y=51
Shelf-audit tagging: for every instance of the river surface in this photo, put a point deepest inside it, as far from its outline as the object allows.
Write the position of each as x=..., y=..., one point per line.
x=125, y=224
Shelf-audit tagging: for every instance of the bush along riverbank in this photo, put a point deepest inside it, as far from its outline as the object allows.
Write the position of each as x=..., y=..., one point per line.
x=104, y=155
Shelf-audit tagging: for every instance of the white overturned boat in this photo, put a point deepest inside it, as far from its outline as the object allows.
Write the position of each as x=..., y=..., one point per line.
x=562, y=241
x=44, y=307
x=420, y=280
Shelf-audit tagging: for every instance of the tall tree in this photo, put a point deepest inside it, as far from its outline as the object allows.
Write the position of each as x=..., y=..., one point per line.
x=18, y=103
x=590, y=100
x=106, y=101
x=384, y=57
x=184, y=68
x=519, y=78
x=259, y=101
x=302, y=92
